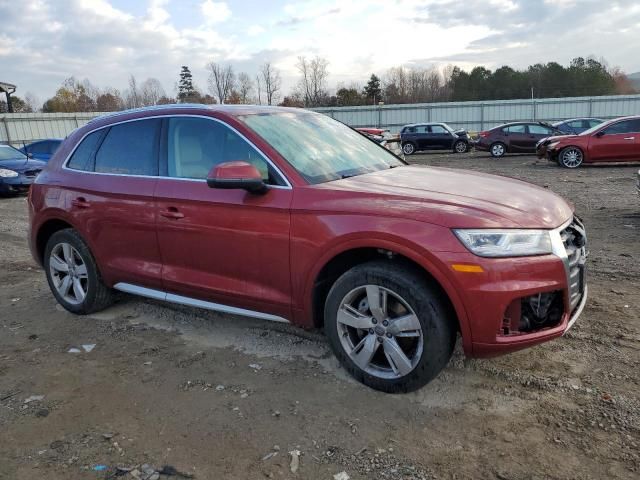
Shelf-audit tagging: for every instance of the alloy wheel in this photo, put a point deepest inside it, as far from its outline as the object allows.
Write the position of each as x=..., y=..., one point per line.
x=69, y=273
x=408, y=148
x=380, y=332
x=497, y=150
x=571, y=158
x=461, y=147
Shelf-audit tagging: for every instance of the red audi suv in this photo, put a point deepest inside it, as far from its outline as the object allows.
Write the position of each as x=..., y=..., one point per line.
x=287, y=215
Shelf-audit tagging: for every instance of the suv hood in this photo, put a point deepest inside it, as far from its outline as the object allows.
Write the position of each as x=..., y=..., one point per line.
x=457, y=198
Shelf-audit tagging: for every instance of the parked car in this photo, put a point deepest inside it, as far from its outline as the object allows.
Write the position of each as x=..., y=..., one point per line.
x=433, y=136
x=574, y=126
x=616, y=140
x=288, y=215
x=517, y=137
x=17, y=170
x=42, y=149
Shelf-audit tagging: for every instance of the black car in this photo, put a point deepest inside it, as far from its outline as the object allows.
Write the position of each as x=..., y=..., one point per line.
x=17, y=170
x=433, y=136
x=574, y=126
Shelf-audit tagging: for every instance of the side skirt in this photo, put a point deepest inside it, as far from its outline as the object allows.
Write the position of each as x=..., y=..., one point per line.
x=194, y=302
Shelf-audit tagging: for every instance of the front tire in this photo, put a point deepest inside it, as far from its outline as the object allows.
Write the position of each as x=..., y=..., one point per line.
x=73, y=275
x=498, y=150
x=408, y=148
x=570, y=157
x=460, y=146
x=388, y=327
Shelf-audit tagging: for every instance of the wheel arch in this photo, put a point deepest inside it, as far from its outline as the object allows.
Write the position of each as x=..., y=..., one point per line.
x=339, y=260
x=44, y=233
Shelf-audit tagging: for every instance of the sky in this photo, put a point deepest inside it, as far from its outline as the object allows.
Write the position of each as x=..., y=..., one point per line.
x=42, y=42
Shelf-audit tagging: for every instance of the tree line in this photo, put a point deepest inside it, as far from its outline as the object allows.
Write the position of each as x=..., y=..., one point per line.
x=582, y=77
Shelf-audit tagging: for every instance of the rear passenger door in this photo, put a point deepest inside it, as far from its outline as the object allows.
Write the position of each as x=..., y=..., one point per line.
x=111, y=200
x=517, y=138
x=225, y=246
x=423, y=138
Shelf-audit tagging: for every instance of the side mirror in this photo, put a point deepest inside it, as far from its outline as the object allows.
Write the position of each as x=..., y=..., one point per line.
x=237, y=175
x=600, y=133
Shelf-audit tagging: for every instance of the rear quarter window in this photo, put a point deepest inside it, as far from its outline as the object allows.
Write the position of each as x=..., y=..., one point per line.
x=82, y=158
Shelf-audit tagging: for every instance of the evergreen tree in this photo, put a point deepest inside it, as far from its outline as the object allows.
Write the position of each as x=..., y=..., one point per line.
x=186, y=90
x=372, y=89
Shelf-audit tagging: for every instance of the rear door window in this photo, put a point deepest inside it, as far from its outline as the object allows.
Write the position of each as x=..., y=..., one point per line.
x=515, y=129
x=82, y=158
x=130, y=148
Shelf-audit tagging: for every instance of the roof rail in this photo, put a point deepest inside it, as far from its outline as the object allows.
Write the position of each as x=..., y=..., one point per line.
x=151, y=108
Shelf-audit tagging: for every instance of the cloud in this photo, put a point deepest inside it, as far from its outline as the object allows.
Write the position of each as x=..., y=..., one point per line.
x=45, y=41
x=215, y=12
x=254, y=30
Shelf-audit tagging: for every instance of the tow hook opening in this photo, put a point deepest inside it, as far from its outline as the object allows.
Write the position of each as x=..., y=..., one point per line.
x=533, y=313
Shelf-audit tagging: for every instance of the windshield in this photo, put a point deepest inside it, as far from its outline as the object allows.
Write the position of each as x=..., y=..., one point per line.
x=10, y=153
x=592, y=129
x=318, y=147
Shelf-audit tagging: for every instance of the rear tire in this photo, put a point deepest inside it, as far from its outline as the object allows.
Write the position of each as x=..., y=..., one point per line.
x=498, y=150
x=408, y=148
x=570, y=157
x=73, y=274
x=461, y=147
x=398, y=347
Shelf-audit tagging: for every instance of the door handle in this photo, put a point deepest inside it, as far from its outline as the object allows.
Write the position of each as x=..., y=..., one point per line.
x=172, y=213
x=629, y=138
x=80, y=202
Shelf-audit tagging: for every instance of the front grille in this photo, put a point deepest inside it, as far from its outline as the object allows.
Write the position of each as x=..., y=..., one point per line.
x=574, y=240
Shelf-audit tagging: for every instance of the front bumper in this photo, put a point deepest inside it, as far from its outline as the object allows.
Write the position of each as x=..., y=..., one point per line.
x=19, y=184
x=498, y=301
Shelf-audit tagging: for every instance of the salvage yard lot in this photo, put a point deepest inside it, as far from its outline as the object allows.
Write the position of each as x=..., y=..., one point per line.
x=228, y=397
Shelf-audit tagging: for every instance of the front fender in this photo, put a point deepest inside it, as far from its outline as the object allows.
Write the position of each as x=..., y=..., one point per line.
x=313, y=248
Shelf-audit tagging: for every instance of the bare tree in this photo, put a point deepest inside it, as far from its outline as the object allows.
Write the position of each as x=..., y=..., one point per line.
x=33, y=102
x=313, y=84
x=272, y=82
x=132, y=96
x=259, y=89
x=245, y=87
x=221, y=81
x=151, y=92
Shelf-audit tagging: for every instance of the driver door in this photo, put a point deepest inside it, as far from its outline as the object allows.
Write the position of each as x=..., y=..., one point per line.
x=619, y=142
x=225, y=246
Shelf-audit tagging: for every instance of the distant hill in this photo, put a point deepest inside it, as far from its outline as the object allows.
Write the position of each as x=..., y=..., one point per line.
x=635, y=79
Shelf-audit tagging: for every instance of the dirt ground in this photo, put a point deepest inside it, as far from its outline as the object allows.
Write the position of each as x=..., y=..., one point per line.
x=217, y=396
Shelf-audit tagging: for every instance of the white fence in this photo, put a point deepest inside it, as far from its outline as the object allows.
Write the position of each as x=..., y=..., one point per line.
x=18, y=128
x=477, y=116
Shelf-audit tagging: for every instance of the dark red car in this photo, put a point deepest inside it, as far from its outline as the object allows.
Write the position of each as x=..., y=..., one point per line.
x=287, y=215
x=616, y=140
x=519, y=137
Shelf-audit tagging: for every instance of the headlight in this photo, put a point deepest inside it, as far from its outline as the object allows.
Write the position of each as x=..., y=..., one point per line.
x=506, y=243
x=8, y=173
